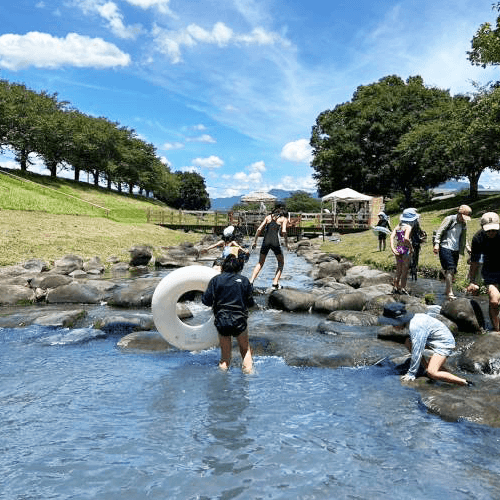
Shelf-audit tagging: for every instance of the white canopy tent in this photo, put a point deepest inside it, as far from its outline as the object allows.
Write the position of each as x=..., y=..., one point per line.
x=348, y=195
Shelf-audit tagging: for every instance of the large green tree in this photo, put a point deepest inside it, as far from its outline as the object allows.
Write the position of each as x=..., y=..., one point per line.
x=354, y=145
x=300, y=201
x=192, y=194
x=486, y=43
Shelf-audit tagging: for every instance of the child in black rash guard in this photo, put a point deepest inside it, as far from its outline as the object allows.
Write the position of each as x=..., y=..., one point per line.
x=230, y=295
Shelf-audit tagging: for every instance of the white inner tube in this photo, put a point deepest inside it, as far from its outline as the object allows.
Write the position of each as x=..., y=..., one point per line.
x=164, y=306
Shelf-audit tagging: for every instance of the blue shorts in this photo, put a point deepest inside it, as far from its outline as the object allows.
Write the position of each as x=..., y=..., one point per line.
x=491, y=278
x=448, y=259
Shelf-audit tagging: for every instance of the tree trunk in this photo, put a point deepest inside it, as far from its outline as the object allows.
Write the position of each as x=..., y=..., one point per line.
x=109, y=183
x=77, y=174
x=23, y=160
x=52, y=166
x=130, y=188
x=119, y=185
x=95, y=174
x=474, y=185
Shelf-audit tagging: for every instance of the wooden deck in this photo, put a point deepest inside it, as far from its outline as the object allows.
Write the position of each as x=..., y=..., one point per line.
x=213, y=222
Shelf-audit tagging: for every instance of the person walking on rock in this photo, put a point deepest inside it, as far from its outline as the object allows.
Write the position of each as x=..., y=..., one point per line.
x=401, y=248
x=450, y=242
x=272, y=225
x=424, y=331
x=383, y=221
x=485, y=247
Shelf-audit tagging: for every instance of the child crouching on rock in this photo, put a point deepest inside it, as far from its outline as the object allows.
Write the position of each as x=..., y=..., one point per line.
x=230, y=295
x=424, y=331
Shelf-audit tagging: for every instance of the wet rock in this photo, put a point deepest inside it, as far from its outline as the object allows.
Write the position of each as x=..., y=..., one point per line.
x=331, y=268
x=466, y=313
x=15, y=295
x=62, y=319
x=354, y=318
x=289, y=299
x=93, y=266
x=36, y=265
x=144, y=341
x=67, y=264
x=75, y=292
x=137, y=293
x=125, y=322
x=140, y=255
x=49, y=281
x=483, y=356
x=363, y=276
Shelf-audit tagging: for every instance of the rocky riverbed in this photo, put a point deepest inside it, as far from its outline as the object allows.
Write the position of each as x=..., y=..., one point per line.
x=77, y=295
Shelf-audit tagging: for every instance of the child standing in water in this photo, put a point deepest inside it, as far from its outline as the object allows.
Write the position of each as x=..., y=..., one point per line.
x=272, y=225
x=402, y=248
x=230, y=295
x=229, y=246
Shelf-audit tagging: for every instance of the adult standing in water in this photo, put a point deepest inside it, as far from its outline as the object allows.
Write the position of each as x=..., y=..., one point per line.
x=486, y=247
x=272, y=225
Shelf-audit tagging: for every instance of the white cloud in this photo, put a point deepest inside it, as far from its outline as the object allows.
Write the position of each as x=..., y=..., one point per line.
x=45, y=51
x=202, y=138
x=161, y=5
x=297, y=151
x=170, y=43
x=290, y=183
x=110, y=12
x=258, y=166
x=172, y=145
x=210, y=162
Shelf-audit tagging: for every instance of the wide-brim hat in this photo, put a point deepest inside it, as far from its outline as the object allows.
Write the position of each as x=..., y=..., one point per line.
x=409, y=215
x=395, y=314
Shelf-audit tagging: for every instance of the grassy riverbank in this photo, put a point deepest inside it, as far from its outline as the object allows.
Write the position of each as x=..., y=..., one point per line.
x=48, y=218
x=362, y=248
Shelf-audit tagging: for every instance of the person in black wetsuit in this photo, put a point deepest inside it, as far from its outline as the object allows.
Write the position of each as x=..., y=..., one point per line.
x=272, y=225
x=230, y=295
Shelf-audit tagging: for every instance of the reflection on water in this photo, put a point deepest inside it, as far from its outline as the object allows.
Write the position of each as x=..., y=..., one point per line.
x=85, y=420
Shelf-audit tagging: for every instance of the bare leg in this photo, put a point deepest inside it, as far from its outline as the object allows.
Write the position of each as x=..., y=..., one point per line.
x=226, y=345
x=435, y=371
x=448, y=280
x=245, y=351
x=397, y=277
x=257, y=268
x=405, y=266
x=494, y=296
x=281, y=263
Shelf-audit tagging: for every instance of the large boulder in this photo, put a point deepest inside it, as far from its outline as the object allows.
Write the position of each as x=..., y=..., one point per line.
x=354, y=318
x=289, y=299
x=137, y=293
x=466, y=313
x=144, y=341
x=140, y=255
x=483, y=356
x=15, y=295
x=36, y=265
x=94, y=266
x=331, y=268
x=49, y=281
x=363, y=276
x=75, y=292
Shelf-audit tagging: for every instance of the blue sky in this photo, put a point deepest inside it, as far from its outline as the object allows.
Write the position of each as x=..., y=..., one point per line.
x=231, y=88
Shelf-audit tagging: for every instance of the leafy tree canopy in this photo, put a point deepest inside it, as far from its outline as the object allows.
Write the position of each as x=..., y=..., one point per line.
x=486, y=43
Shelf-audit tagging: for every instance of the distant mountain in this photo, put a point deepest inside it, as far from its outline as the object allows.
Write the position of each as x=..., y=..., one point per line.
x=227, y=203
x=456, y=185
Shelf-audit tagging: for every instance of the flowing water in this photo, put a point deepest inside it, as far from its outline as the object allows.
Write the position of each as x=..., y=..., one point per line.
x=82, y=419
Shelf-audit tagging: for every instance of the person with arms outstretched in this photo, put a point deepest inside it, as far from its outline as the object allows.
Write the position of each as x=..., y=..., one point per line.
x=272, y=225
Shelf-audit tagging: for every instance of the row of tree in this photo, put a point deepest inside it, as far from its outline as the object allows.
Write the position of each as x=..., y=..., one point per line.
x=64, y=138
x=396, y=136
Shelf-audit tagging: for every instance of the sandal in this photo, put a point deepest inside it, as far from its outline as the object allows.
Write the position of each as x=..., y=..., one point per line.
x=277, y=286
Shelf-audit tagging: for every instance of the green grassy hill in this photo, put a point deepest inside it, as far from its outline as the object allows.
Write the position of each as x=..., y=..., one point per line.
x=48, y=218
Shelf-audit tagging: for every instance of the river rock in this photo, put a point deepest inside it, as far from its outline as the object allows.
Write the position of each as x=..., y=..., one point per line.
x=93, y=266
x=354, y=318
x=466, y=313
x=67, y=264
x=125, y=322
x=75, y=292
x=49, y=281
x=144, y=341
x=363, y=276
x=15, y=295
x=483, y=356
x=36, y=265
x=137, y=293
x=140, y=255
x=60, y=319
x=290, y=299
x=331, y=268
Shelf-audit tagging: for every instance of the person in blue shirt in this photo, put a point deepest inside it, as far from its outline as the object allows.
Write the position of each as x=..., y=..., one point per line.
x=425, y=331
x=230, y=294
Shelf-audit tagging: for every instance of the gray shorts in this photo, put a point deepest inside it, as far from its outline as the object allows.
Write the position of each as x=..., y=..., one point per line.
x=442, y=347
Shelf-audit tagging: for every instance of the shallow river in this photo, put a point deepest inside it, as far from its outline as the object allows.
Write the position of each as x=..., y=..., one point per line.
x=86, y=420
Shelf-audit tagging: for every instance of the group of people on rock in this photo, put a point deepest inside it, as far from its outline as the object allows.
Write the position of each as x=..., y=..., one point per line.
x=230, y=294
